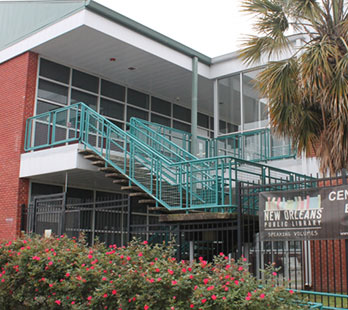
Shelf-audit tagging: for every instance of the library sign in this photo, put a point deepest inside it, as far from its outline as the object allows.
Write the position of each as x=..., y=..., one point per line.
x=310, y=214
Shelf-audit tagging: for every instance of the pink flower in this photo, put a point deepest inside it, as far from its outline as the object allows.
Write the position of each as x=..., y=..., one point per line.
x=209, y=288
x=67, y=274
x=105, y=295
x=145, y=242
x=146, y=307
x=58, y=302
x=247, y=298
x=114, y=292
x=205, y=281
x=240, y=268
x=262, y=296
x=183, y=270
x=89, y=298
x=213, y=297
x=73, y=302
x=274, y=273
x=221, y=254
x=157, y=270
x=291, y=292
x=236, y=282
x=170, y=271
x=140, y=254
x=192, y=306
x=203, y=300
x=128, y=258
x=90, y=256
x=174, y=282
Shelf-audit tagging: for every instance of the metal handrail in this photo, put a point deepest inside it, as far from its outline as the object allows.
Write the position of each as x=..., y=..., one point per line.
x=191, y=183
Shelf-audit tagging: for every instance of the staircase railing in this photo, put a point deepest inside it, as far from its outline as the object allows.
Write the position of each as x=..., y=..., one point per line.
x=178, y=181
x=254, y=145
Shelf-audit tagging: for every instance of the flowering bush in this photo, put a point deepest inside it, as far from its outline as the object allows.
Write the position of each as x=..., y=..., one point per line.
x=63, y=273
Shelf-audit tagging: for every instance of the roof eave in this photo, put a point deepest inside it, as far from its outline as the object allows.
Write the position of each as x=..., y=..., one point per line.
x=143, y=30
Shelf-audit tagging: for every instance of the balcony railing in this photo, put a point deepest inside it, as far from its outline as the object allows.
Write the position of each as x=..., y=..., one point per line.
x=258, y=145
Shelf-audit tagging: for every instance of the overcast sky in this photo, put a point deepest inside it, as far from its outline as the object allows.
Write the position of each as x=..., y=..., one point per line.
x=213, y=28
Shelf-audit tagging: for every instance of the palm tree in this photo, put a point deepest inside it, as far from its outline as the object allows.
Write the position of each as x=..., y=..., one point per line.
x=308, y=91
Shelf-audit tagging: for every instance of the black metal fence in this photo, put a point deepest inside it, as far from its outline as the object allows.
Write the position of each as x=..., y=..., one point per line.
x=312, y=265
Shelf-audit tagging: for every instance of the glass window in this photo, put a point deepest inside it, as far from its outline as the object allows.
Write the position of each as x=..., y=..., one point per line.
x=255, y=111
x=79, y=96
x=137, y=98
x=53, y=92
x=182, y=113
x=160, y=120
x=111, y=108
x=85, y=81
x=43, y=107
x=181, y=126
x=79, y=195
x=203, y=120
x=38, y=189
x=160, y=106
x=118, y=124
x=136, y=113
x=229, y=102
x=112, y=90
x=54, y=71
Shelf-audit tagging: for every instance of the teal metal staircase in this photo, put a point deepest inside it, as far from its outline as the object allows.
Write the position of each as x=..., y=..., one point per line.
x=150, y=160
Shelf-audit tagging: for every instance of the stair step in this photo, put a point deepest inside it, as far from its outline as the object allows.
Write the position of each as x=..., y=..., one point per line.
x=147, y=201
x=114, y=175
x=121, y=181
x=107, y=169
x=92, y=157
x=138, y=194
x=99, y=163
x=85, y=152
x=130, y=188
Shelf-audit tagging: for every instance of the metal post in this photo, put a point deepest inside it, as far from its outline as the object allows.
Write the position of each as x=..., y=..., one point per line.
x=239, y=220
x=61, y=228
x=216, y=110
x=191, y=251
x=129, y=220
x=194, y=145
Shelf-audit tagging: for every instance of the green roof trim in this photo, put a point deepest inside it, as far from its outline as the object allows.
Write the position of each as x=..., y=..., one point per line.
x=148, y=32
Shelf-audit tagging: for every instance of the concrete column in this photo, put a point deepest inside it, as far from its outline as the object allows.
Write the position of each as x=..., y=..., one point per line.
x=194, y=104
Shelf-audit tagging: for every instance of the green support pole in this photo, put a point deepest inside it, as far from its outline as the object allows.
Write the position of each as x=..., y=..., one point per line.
x=194, y=103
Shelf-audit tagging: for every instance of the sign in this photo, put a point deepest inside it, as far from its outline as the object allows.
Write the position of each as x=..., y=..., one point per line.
x=308, y=214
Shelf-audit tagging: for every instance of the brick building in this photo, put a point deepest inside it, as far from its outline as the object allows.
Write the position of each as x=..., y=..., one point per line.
x=55, y=55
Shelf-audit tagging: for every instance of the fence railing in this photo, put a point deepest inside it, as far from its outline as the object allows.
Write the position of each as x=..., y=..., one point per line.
x=168, y=173
x=253, y=145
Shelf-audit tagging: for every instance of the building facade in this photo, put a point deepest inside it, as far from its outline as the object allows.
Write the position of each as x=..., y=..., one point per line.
x=55, y=55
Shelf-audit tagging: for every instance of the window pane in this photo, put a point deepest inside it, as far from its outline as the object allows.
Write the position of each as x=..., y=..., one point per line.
x=112, y=90
x=181, y=113
x=136, y=113
x=253, y=108
x=160, y=106
x=137, y=98
x=160, y=120
x=38, y=189
x=181, y=126
x=53, y=92
x=203, y=120
x=43, y=107
x=229, y=103
x=118, y=124
x=85, y=81
x=111, y=108
x=79, y=96
x=54, y=71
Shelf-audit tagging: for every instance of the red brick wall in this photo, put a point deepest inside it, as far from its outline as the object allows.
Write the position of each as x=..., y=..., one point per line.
x=17, y=96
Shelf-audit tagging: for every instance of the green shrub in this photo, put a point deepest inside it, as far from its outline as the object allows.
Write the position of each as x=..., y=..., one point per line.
x=63, y=273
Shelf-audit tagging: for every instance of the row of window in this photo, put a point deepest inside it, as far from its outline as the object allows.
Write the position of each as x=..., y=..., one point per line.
x=116, y=101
